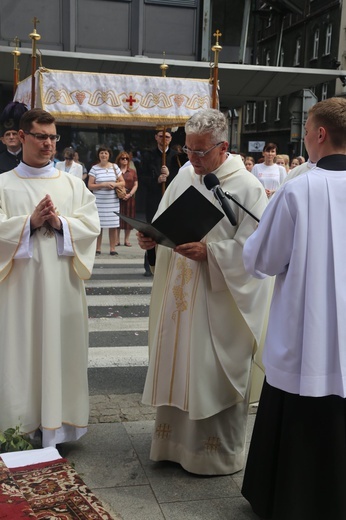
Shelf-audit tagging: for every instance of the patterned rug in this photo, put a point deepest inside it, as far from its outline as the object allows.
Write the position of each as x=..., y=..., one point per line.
x=46, y=491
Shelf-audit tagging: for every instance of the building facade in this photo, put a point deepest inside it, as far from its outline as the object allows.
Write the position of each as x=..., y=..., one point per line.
x=107, y=35
x=313, y=39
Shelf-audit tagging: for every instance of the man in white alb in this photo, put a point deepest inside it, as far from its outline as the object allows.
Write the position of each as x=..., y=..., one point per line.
x=48, y=229
x=206, y=316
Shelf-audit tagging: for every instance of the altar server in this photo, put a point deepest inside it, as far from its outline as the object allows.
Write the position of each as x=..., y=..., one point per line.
x=296, y=468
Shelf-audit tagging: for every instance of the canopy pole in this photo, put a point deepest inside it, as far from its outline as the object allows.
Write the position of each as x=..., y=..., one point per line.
x=34, y=37
x=16, y=53
x=163, y=68
x=216, y=49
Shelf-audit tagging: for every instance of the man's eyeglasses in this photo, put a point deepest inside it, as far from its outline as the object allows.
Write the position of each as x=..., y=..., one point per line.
x=200, y=153
x=44, y=137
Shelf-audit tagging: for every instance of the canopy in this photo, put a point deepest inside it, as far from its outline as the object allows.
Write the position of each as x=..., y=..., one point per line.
x=239, y=83
x=112, y=99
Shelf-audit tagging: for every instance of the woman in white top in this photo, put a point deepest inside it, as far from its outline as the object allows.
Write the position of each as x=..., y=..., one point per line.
x=268, y=173
x=104, y=177
x=69, y=165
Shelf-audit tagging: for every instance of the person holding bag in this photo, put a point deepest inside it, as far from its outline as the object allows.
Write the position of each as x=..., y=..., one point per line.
x=127, y=203
x=104, y=178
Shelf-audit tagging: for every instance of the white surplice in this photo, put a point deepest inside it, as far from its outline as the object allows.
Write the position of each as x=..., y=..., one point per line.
x=206, y=320
x=43, y=310
x=301, y=239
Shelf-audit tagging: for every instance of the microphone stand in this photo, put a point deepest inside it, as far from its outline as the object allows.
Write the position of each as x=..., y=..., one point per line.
x=220, y=197
x=229, y=196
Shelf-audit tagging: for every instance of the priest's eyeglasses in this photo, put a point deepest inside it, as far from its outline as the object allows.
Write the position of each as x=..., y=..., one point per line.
x=200, y=153
x=44, y=137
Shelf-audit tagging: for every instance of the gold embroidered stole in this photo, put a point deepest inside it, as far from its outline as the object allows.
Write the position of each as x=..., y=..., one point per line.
x=172, y=359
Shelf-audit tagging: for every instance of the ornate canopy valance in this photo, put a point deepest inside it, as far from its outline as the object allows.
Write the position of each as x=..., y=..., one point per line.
x=111, y=99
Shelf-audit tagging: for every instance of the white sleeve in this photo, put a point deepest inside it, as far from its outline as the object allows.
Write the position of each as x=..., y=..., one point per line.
x=64, y=242
x=268, y=250
x=25, y=246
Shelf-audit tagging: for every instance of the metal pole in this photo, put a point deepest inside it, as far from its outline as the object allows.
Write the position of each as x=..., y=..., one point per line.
x=216, y=49
x=16, y=53
x=244, y=31
x=34, y=37
x=163, y=68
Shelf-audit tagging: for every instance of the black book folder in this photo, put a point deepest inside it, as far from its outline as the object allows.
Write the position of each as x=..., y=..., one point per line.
x=188, y=219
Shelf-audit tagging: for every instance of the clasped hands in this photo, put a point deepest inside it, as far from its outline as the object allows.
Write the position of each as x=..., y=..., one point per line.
x=193, y=250
x=45, y=212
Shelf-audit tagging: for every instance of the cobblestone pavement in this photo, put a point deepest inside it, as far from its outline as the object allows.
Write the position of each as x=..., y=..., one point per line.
x=114, y=408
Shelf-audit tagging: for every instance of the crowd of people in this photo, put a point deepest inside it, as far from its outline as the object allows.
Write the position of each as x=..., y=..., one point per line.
x=150, y=172
x=209, y=305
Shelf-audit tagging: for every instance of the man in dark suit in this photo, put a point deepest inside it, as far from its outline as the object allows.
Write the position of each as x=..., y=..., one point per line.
x=154, y=176
x=9, y=123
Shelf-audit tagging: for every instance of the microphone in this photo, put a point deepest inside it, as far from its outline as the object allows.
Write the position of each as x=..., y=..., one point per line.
x=212, y=183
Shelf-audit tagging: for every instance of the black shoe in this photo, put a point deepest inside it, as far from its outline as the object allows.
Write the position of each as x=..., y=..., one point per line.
x=147, y=274
x=113, y=253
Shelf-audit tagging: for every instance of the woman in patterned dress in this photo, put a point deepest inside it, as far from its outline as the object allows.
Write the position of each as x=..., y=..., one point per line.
x=127, y=204
x=103, y=179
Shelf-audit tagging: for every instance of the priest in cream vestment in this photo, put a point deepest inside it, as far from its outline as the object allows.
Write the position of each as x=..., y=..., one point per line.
x=206, y=317
x=48, y=229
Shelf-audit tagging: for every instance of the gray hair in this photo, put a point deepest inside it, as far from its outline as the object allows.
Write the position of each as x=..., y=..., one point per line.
x=208, y=121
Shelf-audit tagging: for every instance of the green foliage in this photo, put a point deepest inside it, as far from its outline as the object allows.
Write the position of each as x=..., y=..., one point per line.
x=13, y=440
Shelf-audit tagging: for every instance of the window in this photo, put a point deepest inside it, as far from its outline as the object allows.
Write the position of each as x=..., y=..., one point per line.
x=247, y=113
x=267, y=58
x=297, y=53
x=269, y=20
x=264, y=115
x=235, y=132
x=278, y=109
x=324, y=94
x=254, y=110
x=316, y=44
x=176, y=3
x=328, y=39
x=282, y=58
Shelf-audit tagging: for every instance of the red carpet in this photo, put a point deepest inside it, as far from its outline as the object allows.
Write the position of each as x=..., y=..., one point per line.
x=46, y=491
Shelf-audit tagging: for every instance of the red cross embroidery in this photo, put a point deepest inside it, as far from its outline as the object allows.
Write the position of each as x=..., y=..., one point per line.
x=131, y=100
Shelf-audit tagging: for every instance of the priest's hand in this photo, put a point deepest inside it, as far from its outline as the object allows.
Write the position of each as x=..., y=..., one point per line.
x=145, y=242
x=193, y=250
